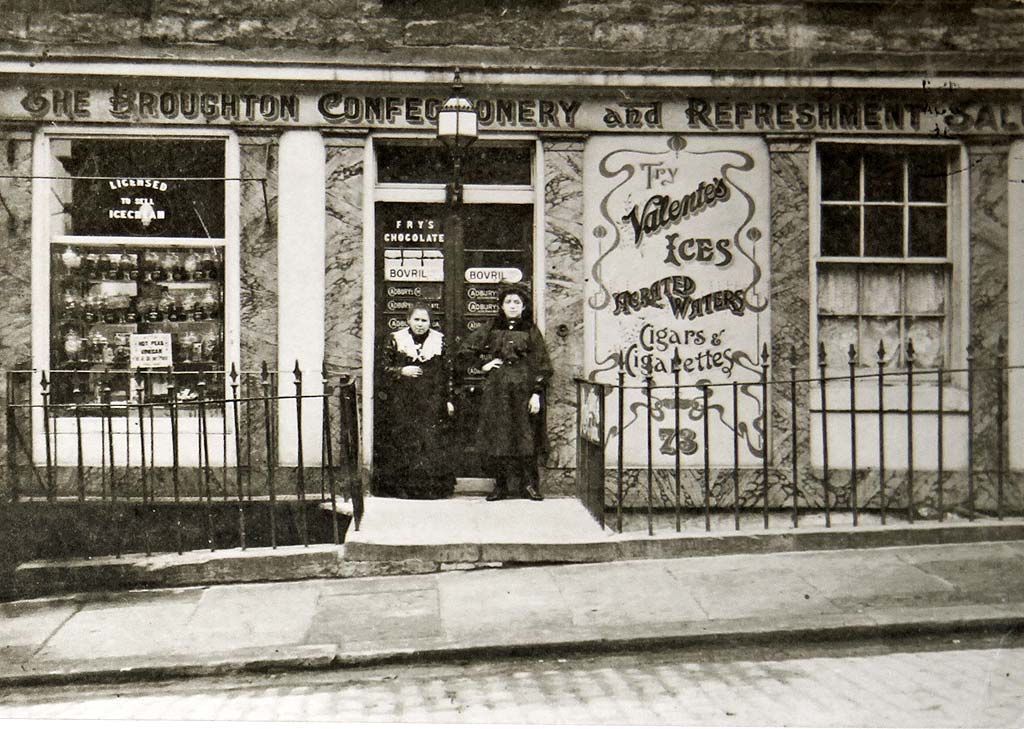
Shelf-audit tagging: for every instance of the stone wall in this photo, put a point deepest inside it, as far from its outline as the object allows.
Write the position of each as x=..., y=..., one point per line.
x=620, y=33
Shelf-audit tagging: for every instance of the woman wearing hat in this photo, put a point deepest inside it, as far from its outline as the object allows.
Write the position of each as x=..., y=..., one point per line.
x=511, y=352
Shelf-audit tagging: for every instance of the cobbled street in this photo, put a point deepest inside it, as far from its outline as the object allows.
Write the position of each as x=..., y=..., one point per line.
x=936, y=682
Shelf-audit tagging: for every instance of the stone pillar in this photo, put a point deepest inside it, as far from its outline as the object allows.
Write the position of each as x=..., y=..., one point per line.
x=791, y=309
x=563, y=303
x=988, y=250
x=15, y=279
x=258, y=252
x=301, y=250
x=1015, y=301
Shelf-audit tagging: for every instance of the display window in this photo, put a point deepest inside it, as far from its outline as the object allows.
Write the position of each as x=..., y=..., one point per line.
x=135, y=287
x=137, y=249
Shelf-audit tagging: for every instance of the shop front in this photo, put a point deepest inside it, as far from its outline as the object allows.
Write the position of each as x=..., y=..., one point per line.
x=707, y=233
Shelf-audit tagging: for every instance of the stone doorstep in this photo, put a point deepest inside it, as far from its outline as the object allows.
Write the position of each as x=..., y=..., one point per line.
x=363, y=559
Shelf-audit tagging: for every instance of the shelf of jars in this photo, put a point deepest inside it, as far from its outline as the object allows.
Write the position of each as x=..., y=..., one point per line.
x=100, y=298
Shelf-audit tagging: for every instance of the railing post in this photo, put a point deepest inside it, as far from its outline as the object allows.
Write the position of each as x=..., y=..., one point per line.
x=824, y=434
x=648, y=384
x=44, y=386
x=940, y=450
x=172, y=390
x=238, y=456
x=1000, y=428
x=707, y=456
x=852, y=354
x=301, y=477
x=268, y=430
x=793, y=433
x=910, y=430
x=970, y=432
x=11, y=426
x=204, y=454
x=327, y=454
x=80, y=458
x=108, y=418
x=676, y=363
x=140, y=401
x=767, y=431
x=881, y=428
x=736, y=455
x=621, y=448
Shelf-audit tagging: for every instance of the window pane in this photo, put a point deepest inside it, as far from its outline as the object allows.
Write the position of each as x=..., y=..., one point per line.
x=840, y=173
x=837, y=290
x=840, y=230
x=883, y=177
x=926, y=290
x=881, y=290
x=140, y=187
x=929, y=172
x=432, y=163
x=926, y=334
x=885, y=330
x=837, y=334
x=928, y=231
x=883, y=231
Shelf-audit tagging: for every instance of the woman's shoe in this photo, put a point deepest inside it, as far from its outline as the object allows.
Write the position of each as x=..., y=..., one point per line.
x=533, y=494
x=497, y=495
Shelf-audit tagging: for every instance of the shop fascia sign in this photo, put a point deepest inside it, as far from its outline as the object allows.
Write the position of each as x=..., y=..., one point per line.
x=937, y=111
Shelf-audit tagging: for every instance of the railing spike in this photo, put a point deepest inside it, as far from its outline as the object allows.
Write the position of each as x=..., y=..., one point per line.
x=764, y=353
x=676, y=360
x=234, y=373
x=44, y=383
x=852, y=354
x=264, y=373
x=881, y=351
x=297, y=372
x=792, y=355
x=910, y=350
x=821, y=353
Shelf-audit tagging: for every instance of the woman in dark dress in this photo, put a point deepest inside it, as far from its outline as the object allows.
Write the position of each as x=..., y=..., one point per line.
x=510, y=433
x=414, y=461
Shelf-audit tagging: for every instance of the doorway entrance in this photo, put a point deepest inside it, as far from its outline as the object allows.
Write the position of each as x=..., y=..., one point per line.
x=454, y=258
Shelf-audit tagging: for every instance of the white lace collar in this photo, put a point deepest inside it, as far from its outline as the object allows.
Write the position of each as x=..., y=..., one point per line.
x=430, y=348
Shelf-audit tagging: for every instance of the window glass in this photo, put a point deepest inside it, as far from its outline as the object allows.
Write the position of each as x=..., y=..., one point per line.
x=928, y=173
x=840, y=230
x=432, y=163
x=928, y=231
x=840, y=174
x=139, y=187
x=883, y=177
x=883, y=231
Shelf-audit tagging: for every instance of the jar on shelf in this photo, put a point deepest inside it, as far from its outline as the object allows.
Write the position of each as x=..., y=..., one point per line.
x=168, y=306
x=101, y=348
x=112, y=267
x=71, y=260
x=208, y=264
x=211, y=347
x=73, y=344
x=90, y=266
x=210, y=305
x=122, y=352
x=191, y=266
x=71, y=306
x=172, y=266
x=151, y=266
x=131, y=310
x=129, y=269
x=190, y=308
x=91, y=305
x=187, y=347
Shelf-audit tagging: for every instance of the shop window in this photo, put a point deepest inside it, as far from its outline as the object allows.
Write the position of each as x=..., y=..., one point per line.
x=137, y=252
x=886, y=250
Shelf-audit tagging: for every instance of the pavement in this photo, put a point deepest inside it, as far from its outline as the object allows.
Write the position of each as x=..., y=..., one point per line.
x=768, y=599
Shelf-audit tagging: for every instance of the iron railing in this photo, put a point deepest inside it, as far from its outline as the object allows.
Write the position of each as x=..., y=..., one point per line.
x=870, y=439
x=155, y=447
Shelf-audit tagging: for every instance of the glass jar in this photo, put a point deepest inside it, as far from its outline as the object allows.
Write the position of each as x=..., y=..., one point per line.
x=172, y=266
x=73, y=345
x=168, y=306
x=151, y=266
x=187, y=346
x=71, y=260
x=192, y=266
x=72, y=305
x=91, y=309
x=210, y=305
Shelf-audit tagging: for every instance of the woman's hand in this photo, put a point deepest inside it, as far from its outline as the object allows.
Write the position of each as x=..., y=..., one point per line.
x=412, y=371
x=492, y=365
x=534, y=404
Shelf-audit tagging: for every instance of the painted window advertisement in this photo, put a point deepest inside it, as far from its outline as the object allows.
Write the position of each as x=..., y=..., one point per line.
x=677, y=249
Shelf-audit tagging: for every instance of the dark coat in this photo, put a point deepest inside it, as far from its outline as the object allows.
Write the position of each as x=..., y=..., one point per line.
x=505, y=427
